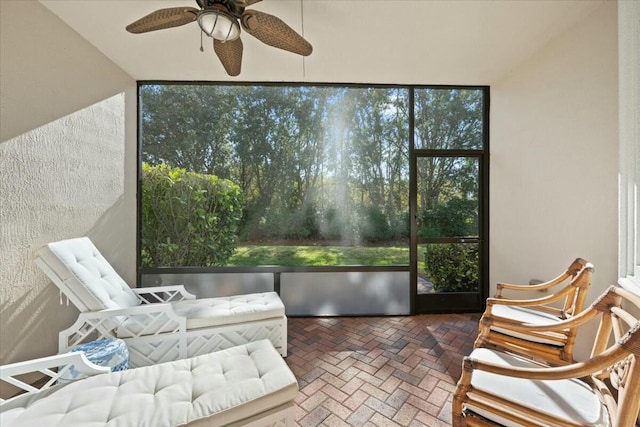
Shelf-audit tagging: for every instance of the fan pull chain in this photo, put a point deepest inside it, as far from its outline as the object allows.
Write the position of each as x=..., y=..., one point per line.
x=201, y=48
x=304, y=64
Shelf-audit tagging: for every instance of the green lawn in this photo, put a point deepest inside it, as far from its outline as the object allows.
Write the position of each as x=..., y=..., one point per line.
x=252, y=255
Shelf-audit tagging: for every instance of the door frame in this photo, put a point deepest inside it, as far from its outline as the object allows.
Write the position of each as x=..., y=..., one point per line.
x=455, y=302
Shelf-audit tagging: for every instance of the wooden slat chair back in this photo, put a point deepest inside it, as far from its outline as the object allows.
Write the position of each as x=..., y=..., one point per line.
x=504, y=323
x=497, y=388
x=574, y=298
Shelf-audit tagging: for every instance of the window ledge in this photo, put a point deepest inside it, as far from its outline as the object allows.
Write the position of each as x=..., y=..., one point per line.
x=630, y=283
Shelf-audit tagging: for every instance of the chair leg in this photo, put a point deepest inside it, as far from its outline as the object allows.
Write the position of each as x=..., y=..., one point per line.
x=283, y=349
x=459, y=394
x=483, y=331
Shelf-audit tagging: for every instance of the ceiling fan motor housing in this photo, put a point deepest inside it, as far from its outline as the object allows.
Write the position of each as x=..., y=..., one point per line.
x=233, y=7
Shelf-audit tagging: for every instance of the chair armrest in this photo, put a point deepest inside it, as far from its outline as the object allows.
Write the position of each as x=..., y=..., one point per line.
x=158, y=294
x=120, y=315
x=577, y=265
x=540, y=287
x=131, y=322
x=45, y=366
x=532, y=301
x=136, y=309
x=577, y=370
x=581, y=318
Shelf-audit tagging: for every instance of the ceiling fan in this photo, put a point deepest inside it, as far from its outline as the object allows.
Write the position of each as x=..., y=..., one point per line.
x=221, y=20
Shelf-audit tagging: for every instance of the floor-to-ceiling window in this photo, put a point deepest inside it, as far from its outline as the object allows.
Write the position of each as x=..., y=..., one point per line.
x=313, y=178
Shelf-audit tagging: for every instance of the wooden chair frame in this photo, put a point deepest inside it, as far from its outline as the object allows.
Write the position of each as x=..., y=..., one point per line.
x=569, y=293
x=612, y=371
x=513, y=335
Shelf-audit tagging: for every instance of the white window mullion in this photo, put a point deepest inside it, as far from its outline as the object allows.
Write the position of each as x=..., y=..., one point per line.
x=629, y=144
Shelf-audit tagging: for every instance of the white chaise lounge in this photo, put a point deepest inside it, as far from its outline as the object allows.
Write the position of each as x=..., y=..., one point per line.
x=248, y=385
x=158, y=324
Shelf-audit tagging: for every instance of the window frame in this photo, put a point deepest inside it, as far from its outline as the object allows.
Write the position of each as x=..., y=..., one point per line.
x=278, y=269
x=629, y=230
x=629, y=147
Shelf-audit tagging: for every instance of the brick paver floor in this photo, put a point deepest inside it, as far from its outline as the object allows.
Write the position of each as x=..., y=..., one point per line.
x=378, y=371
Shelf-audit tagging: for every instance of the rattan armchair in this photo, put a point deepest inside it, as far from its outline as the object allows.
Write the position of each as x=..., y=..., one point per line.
x=504, y=324
x=498, y=388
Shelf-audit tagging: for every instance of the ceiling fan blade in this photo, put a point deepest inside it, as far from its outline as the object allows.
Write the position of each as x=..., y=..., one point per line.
x=230, y=54
x=274, y=32
x=164, y=18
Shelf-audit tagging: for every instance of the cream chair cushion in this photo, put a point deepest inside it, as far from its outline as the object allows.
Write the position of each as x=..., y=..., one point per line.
x=571, y=400
x=87, y=274
x=525, y=315
x=210, y=312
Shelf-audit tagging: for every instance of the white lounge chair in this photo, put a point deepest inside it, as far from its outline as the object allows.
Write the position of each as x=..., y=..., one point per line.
x=248, y=385
x=158, y=324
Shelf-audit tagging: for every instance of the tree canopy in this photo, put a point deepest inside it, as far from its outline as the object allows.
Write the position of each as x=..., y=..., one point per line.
x=316, y=162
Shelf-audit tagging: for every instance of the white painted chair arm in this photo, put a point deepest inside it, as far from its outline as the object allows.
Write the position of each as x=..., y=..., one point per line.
x=158, y=294
x=45, y=365
x=165, y=308
x=132, y=322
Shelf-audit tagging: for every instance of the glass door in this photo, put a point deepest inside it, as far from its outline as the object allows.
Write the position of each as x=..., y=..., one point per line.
x=449, y=186
x=448, y=243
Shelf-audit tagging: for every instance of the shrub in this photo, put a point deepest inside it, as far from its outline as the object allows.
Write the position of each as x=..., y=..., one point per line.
x=333, y=225
x=457, y=217
x=297, y=223
x=188, y=219
x=374, y=226
x=401, y=225
x=452, y=267
x=305, y=223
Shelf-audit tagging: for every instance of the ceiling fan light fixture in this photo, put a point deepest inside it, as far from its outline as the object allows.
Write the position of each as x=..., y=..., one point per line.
x=219, y=25
x=221, y=20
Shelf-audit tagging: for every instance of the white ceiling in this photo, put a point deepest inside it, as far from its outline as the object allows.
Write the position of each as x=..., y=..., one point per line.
x=371, y=41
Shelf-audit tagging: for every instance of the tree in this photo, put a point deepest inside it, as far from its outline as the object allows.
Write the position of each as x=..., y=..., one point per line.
x=448, y=119
x=315, y=162
x=185, y=126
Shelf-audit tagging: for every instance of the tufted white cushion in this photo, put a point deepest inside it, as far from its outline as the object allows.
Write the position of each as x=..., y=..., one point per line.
x=525, y=315
x=213, y=389
x=87, y=275
x=572, y=400
x=210, y=312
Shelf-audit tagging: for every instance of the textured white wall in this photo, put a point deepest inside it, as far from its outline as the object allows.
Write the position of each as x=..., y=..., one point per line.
x=67, y=167
x=554, y=153
x=554, y=157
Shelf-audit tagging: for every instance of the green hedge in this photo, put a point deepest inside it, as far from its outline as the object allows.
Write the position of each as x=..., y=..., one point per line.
x=452, y=267
x=188, y=219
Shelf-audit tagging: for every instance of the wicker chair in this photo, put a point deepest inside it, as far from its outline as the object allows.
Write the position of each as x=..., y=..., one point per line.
x=498, y=388
x=503, y=325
